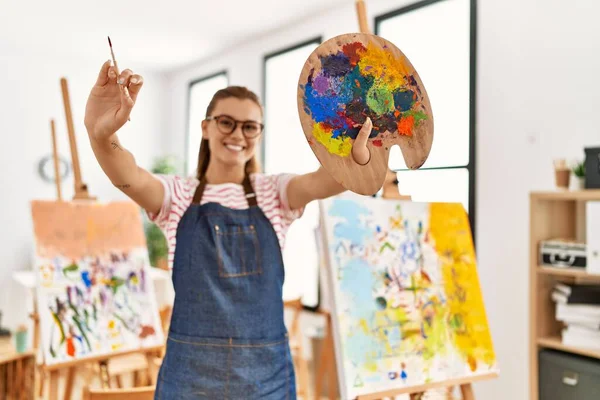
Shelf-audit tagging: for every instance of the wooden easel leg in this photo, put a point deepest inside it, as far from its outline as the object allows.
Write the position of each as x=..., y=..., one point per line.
x=104, y=377
x=151, y=372
x=467, y=392
x=53, y=386
x=69, y=383
x=331, y=361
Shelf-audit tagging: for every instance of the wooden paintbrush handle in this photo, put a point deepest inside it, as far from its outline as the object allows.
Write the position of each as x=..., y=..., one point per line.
x=361, y=11
x=55, y=159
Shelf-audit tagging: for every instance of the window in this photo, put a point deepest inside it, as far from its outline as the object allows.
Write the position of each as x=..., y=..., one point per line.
x=438, y=37
x=200, y=93
x=285, y=150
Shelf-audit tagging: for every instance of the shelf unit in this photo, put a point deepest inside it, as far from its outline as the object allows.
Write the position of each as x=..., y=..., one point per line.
x=553, y=214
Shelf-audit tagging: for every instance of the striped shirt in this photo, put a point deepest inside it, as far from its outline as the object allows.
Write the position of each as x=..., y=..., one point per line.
x=271, y=197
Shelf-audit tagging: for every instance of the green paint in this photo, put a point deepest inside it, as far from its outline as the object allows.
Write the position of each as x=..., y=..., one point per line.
x=116, y=283
x=70, y=268
x=380, y=100
x=417, y=115
x=386, y=245
x=122, y=321
x=76, y=320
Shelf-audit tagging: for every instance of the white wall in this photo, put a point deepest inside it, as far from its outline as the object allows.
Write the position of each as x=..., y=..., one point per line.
x=30, y=95
x=537, y=96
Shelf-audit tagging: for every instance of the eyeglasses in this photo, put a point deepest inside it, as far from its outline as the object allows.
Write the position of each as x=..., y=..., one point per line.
x=227, y=125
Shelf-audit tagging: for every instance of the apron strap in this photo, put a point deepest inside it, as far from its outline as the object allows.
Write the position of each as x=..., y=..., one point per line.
x=249, y=192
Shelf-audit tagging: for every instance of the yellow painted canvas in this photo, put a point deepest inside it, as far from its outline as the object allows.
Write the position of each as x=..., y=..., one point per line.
x=407, y=305
x=94, y=289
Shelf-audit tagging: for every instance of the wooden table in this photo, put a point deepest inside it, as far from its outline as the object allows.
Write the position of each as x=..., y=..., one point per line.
x=17, y=375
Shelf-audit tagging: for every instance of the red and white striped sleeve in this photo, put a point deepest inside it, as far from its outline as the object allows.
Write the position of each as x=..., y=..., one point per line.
x=289, y=215
x=178, y=196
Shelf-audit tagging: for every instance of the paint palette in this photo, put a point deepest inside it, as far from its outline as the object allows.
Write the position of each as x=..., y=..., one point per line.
x=349, y=78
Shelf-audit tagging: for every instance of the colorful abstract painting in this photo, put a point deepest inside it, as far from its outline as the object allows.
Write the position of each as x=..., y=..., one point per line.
x=352, y=81
x=407, y=305
x=94, y=291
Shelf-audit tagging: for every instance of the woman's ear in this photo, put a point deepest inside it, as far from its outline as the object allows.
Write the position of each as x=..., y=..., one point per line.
x=204, y=129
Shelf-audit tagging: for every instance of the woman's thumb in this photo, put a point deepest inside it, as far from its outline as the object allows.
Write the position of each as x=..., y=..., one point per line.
x=360, y=152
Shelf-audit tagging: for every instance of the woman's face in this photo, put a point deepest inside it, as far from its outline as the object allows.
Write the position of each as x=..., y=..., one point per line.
x=235, y=116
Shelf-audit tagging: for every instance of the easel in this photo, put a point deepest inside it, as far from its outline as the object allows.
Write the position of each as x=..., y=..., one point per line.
x=71, y=367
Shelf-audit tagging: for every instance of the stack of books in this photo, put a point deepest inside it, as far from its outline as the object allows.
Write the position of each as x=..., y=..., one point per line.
x=578, y=307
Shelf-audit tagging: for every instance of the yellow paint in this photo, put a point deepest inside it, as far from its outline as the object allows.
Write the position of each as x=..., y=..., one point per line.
x=381, y=64
x=364, y=326
x=396, y=223
x=450, y=230
x=339, y=146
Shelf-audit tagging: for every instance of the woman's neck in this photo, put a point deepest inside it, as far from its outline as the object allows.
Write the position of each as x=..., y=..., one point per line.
x=216, y=174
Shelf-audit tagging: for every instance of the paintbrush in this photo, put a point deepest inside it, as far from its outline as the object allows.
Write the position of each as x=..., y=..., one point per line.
x=114, y=60
x=112, y=54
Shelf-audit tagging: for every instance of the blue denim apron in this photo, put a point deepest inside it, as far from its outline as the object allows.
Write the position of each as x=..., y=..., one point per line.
x=227, y=337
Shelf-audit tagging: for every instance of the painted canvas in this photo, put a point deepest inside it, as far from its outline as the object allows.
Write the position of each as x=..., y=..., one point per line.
x=407, y=305
x=94, y=291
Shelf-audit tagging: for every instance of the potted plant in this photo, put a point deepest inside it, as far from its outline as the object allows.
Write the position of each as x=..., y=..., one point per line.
x=579, y=171
x=158, y=249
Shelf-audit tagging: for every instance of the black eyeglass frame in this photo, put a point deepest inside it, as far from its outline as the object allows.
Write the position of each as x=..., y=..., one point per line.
x=235, y=125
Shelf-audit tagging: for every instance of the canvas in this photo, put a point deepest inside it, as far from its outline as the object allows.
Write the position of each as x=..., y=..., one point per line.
x=94, y=291
x=407, y=308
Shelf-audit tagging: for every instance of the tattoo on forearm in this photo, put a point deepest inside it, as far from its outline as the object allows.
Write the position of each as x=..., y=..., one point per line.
x=116, y=146
x=123, y=186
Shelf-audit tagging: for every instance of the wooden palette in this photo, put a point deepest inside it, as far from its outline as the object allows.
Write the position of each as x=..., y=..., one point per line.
x=349, y=78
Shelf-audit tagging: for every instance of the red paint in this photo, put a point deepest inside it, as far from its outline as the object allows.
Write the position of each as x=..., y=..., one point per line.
x=147, y=330
x=70, y=346
x=352, y=51
x=377, y=143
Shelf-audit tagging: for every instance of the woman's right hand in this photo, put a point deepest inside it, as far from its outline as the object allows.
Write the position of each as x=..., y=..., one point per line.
x=110, y=101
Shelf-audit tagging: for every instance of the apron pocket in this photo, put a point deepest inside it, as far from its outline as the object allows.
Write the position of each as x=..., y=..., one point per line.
x=238, y=250
x=192, y=371
x=262, y=372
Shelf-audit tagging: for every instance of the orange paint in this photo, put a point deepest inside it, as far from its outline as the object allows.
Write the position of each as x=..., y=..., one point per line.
x=357, y=83
x=70, y=346
x=405, y=126
x=472, y=362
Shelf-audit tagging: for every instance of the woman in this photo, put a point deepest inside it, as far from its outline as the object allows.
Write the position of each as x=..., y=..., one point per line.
x=225, y=227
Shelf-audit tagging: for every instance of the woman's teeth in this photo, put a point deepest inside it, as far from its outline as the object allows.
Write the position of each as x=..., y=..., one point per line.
x=234, y=147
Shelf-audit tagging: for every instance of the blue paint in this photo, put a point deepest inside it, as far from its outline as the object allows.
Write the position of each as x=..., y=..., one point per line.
x=403, y=100
x=85, y=277
x=355, y=278
x=352, y=229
